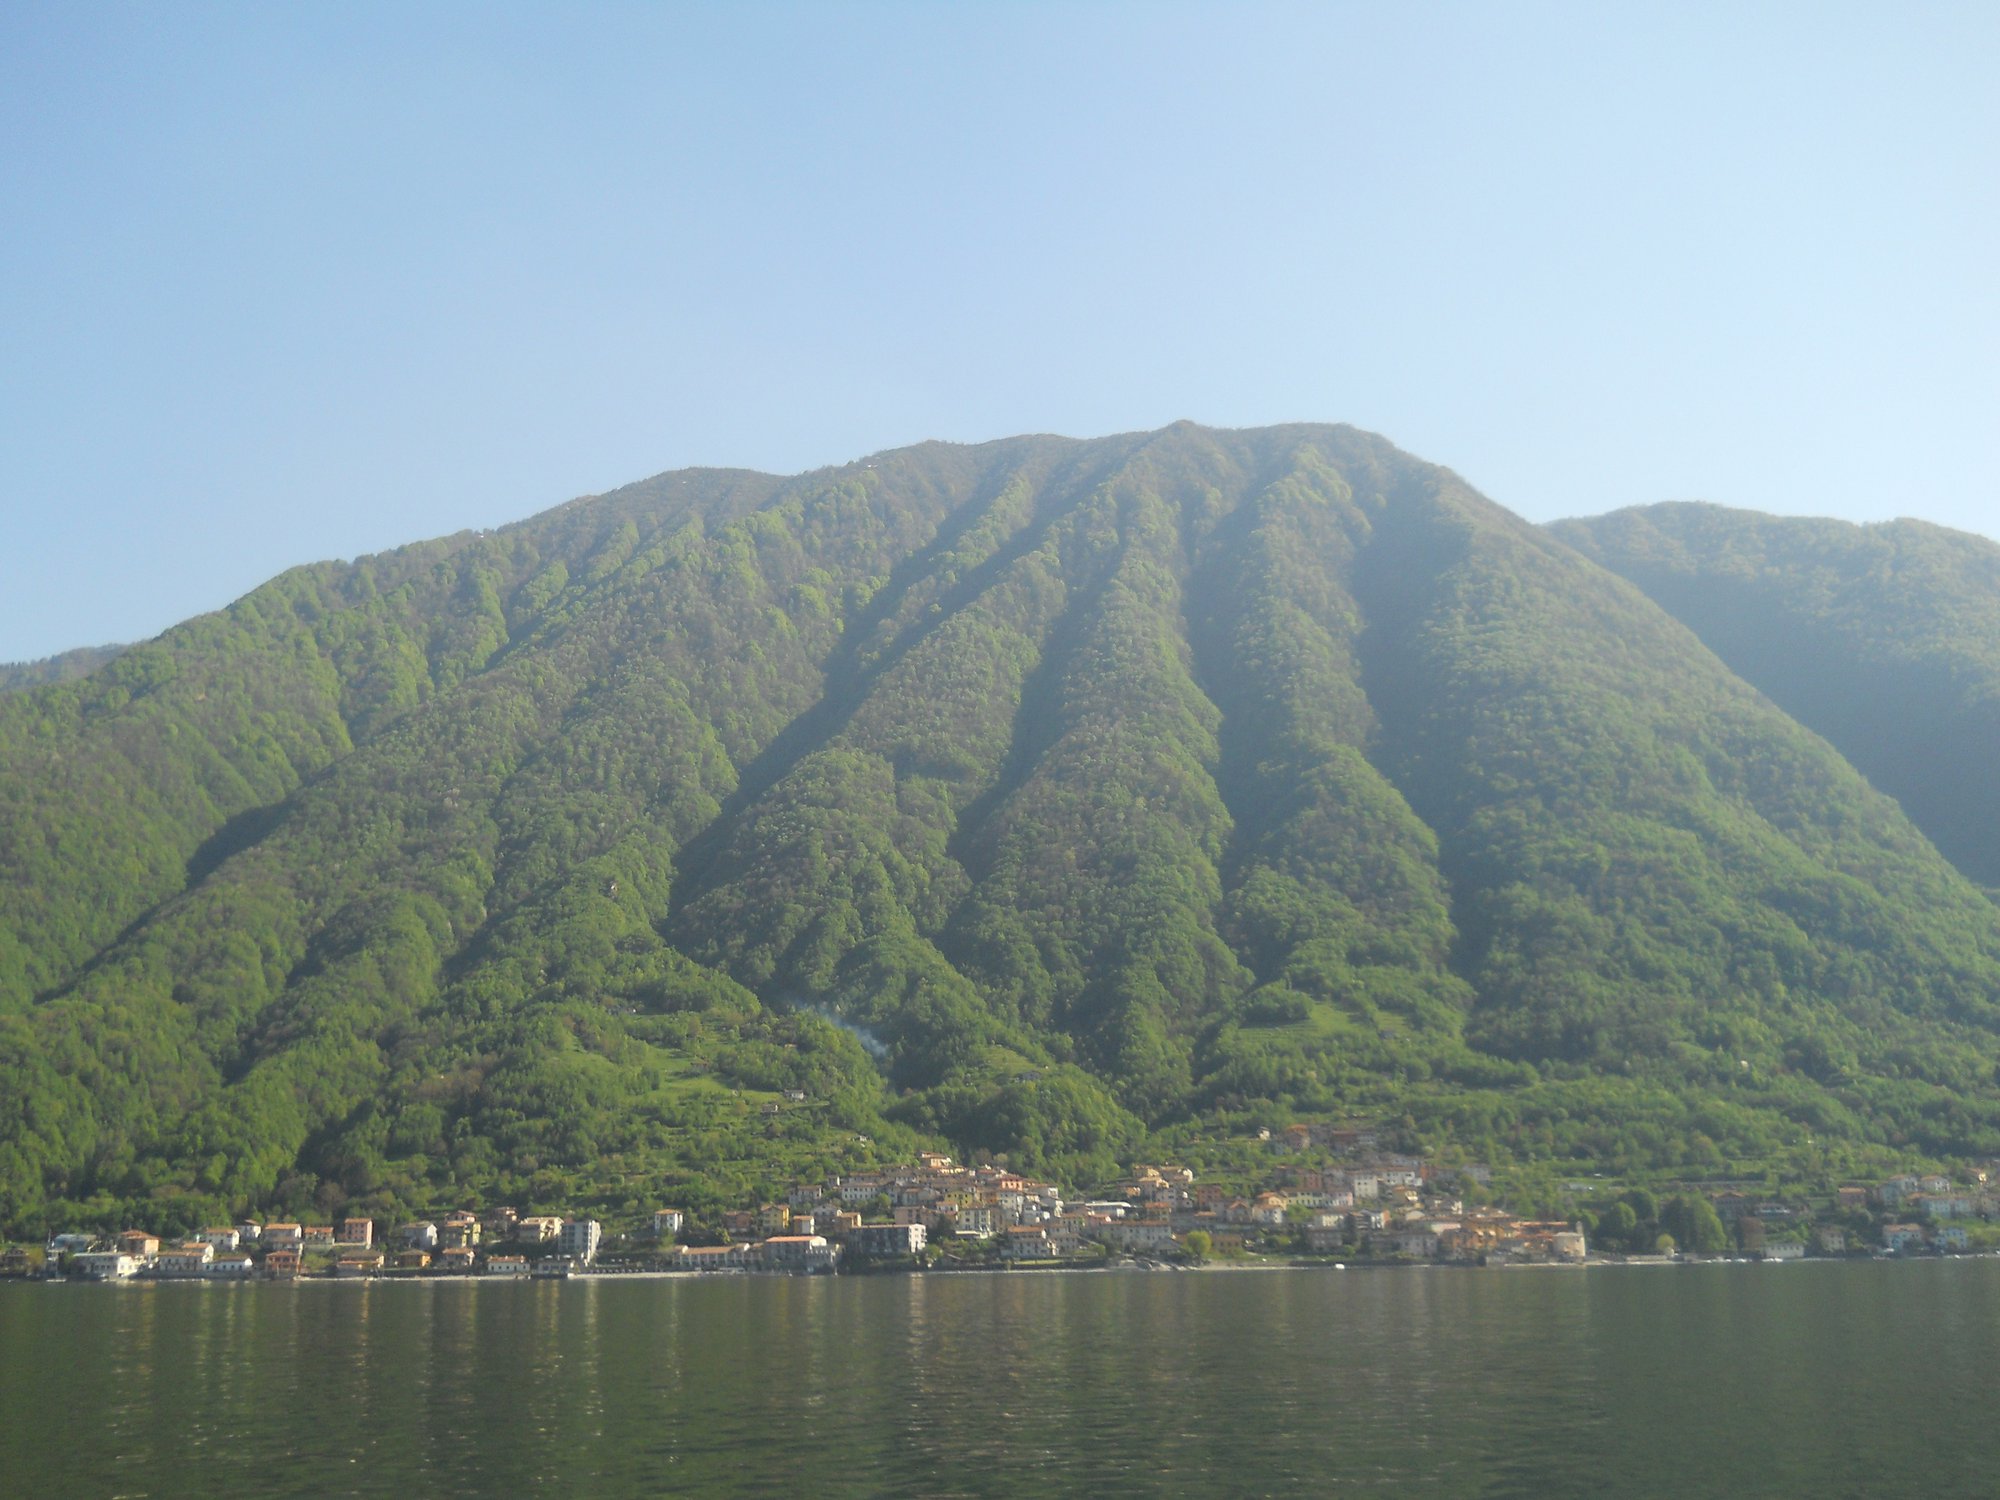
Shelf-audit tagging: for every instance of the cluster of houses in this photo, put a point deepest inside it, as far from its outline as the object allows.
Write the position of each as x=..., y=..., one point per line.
x=1916, y=1213
x=229, y=1252
x=464, y=1242
x=930, y=1197
x=281, y=1251
x=1935, y=1197
x=1335, y=1192
x=1940, y=1204
x=1385, y=1205
x=499, y=1242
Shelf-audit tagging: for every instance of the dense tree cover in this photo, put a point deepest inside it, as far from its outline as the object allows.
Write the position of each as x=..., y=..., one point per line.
x=1885, y=639
x=1634, y=1223
x=1061, y=801
x=61, y=668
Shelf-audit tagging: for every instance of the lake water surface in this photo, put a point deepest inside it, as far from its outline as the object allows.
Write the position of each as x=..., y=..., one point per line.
x=1808, y=1380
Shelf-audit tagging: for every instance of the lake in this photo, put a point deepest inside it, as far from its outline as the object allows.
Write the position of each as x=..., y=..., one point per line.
x=1820, y=1380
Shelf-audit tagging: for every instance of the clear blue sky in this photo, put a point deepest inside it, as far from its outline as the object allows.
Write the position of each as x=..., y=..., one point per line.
x=281, y=282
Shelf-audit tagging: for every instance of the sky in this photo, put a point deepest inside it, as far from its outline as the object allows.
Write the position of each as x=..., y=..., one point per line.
x=283, y=283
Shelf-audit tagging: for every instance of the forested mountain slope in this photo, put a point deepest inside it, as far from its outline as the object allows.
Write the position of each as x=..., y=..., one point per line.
x=1883, y=638
x=61, y=668
x=1058, y=798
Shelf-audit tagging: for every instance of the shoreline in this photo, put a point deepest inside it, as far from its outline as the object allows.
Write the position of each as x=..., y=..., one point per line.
x=1121, y=1268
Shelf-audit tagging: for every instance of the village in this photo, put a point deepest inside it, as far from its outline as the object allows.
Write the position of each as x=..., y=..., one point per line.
x=1332, y=1196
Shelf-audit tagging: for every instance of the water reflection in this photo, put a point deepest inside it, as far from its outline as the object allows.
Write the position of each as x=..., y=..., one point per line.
x=1838, y=1380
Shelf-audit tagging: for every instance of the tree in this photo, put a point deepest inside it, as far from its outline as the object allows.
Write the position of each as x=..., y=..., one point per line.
x=1693, y=1223
x=1619, y=1227
x=1198, y=1244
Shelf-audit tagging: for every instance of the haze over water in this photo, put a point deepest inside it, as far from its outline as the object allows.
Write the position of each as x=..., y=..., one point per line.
x=1822, y=1380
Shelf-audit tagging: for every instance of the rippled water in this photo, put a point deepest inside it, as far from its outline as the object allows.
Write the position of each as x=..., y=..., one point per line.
x=1809, y=1380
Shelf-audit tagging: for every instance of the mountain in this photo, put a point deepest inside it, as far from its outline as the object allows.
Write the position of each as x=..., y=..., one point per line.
x=1055, y=798
x=1885, y=639
x=70, y=664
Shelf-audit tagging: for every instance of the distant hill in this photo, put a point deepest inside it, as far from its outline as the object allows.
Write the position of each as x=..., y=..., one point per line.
x=70, y=664
x=1884, y=638
x=1061, y=799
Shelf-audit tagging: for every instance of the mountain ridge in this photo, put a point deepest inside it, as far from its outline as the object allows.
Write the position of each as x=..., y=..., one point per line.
x=1883, y=637
x=1128, y=792
x=62, y=667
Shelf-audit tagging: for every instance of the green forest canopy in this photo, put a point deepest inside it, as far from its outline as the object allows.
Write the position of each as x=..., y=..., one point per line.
x=1061, y=800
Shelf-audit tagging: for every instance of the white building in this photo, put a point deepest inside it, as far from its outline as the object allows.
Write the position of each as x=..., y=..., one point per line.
x=887, y=1239
x=1420, y=1240
x=104, y=1265
x=734, y=1257
x=580, y=1238
x=799, y=1252
x=979, y=1220
x=191, y=1259
x=1140, y=1234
